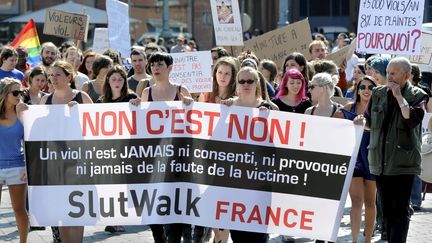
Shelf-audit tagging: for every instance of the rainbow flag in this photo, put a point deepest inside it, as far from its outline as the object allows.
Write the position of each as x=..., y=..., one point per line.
x=29, y=39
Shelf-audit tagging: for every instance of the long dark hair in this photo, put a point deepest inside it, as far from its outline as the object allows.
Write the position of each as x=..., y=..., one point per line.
x=107, y=92
x=368, y=78
x=300, y=59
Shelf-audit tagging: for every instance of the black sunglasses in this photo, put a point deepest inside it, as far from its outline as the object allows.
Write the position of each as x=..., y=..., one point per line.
x=363, y=87
x=17, y=92
x=249, y=81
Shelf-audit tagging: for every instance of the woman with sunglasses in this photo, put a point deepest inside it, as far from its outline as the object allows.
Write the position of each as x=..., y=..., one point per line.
x=363, y=186
x=292, y=93
x=37, y=81
x=62, y=76
x=12, y=165
x=322, y=89
x=249, y=95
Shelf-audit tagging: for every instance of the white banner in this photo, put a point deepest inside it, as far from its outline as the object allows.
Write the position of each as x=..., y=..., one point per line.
x=100, y=40
x=193, y=70
x=118, y=27
x=390, y=26
x=227, y=22
x=204, y=164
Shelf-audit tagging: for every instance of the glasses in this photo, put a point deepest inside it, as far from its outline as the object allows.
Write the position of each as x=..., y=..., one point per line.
x=17, y=92
x=363, y=87
x=249, y=81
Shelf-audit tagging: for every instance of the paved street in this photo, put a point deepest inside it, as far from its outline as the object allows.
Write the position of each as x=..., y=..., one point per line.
x=420, y=228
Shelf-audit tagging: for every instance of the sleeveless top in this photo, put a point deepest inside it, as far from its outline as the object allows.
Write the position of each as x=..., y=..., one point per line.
x=334, y=106
x=92, y=92
x=77, y=98
x=150, y=98
x=11, y=149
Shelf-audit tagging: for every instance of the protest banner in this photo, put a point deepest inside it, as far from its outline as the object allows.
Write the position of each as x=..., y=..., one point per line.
x=193, y=70
x=424, y=58
x=100, y=40
x=390, y=27
x=203, y=164
x=277, y=44
x=343, y=54
x=227, y=23
x=118, y=27
x=66, y=25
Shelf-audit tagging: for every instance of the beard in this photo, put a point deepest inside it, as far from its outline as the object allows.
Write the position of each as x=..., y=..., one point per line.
x=46, y=62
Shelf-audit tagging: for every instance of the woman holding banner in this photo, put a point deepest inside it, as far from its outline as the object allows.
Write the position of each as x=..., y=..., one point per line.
x=163, y=89
x=62, y=76
x=224, y=87
x=249, y=95
x=12, y=165
x=363, y=186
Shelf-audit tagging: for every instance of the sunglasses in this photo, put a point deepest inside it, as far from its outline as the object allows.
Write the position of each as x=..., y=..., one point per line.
x=363, y=87
x=250, y=81
x=17, y=92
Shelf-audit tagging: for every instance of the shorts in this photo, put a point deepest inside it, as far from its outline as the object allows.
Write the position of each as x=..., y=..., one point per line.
x=365, y=175
x=12, y=176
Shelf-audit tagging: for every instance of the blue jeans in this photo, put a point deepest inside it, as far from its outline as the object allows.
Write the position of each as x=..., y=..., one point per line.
x=416, y=197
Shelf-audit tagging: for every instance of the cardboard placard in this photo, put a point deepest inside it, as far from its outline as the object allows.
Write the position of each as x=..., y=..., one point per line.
x=193, y=70
x=66, y=25
x=343, y=54
x=279, y=43
x=390, y=27
x=424, y=58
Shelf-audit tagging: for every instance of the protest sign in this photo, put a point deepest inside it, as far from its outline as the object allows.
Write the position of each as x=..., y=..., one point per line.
x=277, y=44
x=227, y=23
x=426, y=148
x=193, y=70
x=343, y=54
x=118, y=27
x=66, y=25
x=424, y=58
x=100, y=40
x=390, y=27
x=203, y=164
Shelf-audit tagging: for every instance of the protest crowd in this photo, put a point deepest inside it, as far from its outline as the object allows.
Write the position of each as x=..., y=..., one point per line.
x=385, y=94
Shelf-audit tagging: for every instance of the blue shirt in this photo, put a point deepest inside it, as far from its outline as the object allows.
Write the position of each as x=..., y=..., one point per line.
x=17, y=74
x=11, y=149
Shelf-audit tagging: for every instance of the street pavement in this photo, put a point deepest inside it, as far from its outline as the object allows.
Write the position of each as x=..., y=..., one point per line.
x=420, y=228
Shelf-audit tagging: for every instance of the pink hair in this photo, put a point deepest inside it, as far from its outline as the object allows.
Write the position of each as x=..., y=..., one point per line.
x=293, y=74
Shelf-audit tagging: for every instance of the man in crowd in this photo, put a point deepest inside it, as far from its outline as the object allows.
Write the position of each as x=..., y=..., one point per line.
x=317, y=50
x=394, y=115
x=49, y=54
x=139, y=62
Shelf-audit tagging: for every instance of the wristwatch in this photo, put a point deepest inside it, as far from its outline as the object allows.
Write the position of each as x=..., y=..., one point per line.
x=404, y=104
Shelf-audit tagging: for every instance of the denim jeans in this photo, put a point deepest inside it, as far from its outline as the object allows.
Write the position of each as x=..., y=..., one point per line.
x=416, y=197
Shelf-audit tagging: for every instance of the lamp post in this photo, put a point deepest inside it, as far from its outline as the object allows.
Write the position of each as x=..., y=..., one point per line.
x=166, y=31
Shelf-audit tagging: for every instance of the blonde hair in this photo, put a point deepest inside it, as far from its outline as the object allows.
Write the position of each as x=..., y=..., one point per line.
x=255, y=74
x=5, y=87
x=324, y=80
